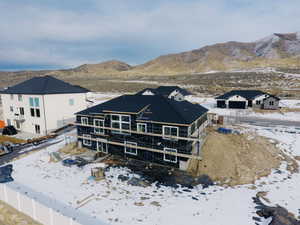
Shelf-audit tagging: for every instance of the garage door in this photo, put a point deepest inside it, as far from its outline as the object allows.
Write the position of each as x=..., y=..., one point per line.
x=237, y=105
x=221, y=104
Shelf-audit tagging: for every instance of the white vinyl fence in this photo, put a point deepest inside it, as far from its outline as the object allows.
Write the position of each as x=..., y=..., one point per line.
x=36, y=205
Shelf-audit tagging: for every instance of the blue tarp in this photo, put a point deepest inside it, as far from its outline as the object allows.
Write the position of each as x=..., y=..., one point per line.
x=5, y=173
x=224, y=130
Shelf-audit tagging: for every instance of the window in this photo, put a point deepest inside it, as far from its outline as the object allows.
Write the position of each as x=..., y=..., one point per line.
x=37, y=129
x=257, y=102
x=98, y=123
x=20, y=98
x=32, y=112
x=84, y=121
x=121, y=122
x=71, y=101
x=142, y=127
x=31, y=102
x=168, y=157
x=87, y=140
x=11, y=108
x=34, y=102
x=132, y=150
x=37, y=102
x=11, y=97
x=271, y=103
x=21, y=109
x=8, y=122
x=37, y=113
x=170, y=131
x=101, y=147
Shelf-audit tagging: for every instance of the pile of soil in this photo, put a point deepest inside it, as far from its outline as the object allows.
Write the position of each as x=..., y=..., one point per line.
x=235, y=159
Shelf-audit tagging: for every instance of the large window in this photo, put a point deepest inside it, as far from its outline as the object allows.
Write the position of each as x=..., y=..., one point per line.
x=86, y=140
x=170, y=131
x=34, y=103
x=142, y=127
x=84, y=120
x=99, y=124
x=130, y=148
x=120, y=122
x=37, y=129
x=168, y=157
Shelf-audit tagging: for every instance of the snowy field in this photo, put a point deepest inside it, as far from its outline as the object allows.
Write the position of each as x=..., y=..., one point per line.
x=116, y=202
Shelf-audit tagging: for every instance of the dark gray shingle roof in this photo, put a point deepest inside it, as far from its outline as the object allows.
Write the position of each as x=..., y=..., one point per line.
x=158, y=108
x=247, y=94
x=44, y=85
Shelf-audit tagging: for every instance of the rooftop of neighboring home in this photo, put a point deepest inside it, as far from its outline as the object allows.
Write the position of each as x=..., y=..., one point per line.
x=165, y=90
x=43, y=86
x=247, y=94
x=150, y=108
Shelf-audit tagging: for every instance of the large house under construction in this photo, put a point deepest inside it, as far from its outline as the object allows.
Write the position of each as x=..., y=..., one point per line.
x=146, y=127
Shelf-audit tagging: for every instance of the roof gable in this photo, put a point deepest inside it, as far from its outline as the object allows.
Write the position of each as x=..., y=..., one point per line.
x=44, y=85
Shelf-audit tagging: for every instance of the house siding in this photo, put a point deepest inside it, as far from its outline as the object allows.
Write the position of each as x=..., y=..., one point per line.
x=267, y=103
x=143, y=140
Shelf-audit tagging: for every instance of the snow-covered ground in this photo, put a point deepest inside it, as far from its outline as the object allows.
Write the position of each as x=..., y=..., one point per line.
x=116, y=202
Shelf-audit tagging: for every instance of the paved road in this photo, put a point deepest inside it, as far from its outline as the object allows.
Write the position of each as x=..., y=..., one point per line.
x=266, y=122
x=18, y=151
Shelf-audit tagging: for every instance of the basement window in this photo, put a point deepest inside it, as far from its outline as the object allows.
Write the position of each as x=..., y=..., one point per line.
x=142, y=127
x=168, y=157
x=84, y=121
x=132, y=149
x=170, y=131
x=99, y=124
x=87, y=140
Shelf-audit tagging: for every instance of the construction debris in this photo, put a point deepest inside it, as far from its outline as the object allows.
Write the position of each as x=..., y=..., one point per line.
x=97, y=173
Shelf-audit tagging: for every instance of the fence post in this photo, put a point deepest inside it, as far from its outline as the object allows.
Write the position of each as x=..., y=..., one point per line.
x=33, y=209
x=19, y=201
x=51, y=216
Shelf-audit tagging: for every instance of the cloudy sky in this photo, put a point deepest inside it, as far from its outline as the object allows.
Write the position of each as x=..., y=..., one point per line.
x=47, y=34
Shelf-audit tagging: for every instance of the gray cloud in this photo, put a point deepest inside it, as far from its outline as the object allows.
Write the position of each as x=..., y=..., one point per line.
x=135, y=31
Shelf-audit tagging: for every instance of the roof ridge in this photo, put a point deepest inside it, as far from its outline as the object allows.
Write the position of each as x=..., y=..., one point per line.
x=168, y=101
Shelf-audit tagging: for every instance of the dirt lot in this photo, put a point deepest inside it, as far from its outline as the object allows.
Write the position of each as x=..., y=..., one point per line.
x=4, y=138
x=235, y=159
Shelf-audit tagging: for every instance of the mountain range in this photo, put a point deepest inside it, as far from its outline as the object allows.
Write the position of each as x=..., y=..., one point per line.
x=277, y=50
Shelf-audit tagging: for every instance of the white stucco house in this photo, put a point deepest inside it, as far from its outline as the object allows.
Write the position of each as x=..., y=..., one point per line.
x=42, y=104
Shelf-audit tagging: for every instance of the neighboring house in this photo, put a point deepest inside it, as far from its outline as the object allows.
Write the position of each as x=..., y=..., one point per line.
x=151, y=128
x=42, y=104
x=173, y=92
x=242, y=99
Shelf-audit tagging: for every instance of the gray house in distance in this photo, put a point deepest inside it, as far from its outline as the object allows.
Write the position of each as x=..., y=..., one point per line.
x=242, y=99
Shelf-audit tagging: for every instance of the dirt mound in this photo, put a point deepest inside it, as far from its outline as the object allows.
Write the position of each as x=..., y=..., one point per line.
x=235, y=159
